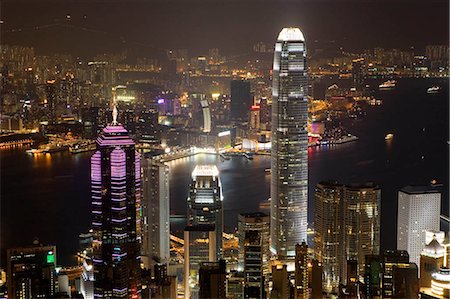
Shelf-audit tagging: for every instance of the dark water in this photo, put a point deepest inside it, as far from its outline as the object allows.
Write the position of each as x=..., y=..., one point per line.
x=48, y=196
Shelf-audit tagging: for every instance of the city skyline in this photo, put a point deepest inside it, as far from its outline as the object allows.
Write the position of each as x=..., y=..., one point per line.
x=181, y=162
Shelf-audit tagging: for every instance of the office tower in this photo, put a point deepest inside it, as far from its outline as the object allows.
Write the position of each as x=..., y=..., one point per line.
x=253, y=265
x=212, y=280
x=255, y=121
x=346, y=227
x=395, y=281
x=265, y=112
x=352, y=279
x=31, y=271
x=199, y=247
x=90, y=121
x=148, y=128
x=419, y=209
x=301, y=271
x=372, y=276
x=205, y=201
x=280, y=282
x=241, y=100
x=156, y=213
x=289, y=185
x=255, y=222
x=361, y=216
x=206, y=128
x=235, y=285
x=406, y=281
x=328, y=231
x=164, y=286
x=116, y=194
x=315, y=272
x=431, y=260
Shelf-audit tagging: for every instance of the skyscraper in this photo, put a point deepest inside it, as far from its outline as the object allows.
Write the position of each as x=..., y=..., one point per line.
x=212, y=280
x=289, y=185
x=328, y=231
x=241, y=100
x=253, y=265
x=419, y=209
x=346, y=227
x=116, y=192
x=205, y=201
x=155, y=212
x=361, y=216
x=301, y=271
x=31, y=271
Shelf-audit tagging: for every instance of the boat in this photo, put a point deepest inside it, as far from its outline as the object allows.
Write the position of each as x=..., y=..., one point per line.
x=35, y=151
x=433, y=89
x=82, y=147
x=389, y=136
x=388, y=85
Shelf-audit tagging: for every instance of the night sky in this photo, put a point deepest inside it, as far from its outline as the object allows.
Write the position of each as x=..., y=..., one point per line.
x=231, y=25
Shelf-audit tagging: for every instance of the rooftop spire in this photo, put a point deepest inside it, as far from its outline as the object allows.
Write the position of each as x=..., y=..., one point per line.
x=114, y=115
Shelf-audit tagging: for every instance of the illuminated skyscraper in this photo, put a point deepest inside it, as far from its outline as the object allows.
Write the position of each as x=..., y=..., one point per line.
x=155, y=212
x=346, y=227
x=115, y=183
x=205, y=201
x=419, y=209
x=289, y=186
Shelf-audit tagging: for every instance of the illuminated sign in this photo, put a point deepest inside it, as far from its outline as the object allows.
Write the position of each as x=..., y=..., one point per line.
x=160, y=101
x=50, y=257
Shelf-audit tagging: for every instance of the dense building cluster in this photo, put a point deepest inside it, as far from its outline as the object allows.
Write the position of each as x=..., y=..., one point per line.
x=212, y=105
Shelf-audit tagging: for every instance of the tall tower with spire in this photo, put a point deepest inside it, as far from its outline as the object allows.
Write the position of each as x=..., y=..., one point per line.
x=289, y=185
x=116, y=193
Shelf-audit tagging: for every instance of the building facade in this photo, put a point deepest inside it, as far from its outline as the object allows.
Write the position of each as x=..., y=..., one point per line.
x=116, y=194
x=156, y=213
x=419, y=209
x=289, y=160
x=205, y=201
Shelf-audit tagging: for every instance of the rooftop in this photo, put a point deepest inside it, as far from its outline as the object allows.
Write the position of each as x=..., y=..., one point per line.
x=291, y=34
x=419, y=189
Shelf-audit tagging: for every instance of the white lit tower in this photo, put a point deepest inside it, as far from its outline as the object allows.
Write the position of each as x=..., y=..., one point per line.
x=115, y=187
x=289, y=186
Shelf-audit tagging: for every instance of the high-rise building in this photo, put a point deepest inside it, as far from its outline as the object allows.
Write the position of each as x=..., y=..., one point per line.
x=289, y=185
x=255, y=117
x=199, y=247
x=361, y=216
x=372, y=277
x=148, y=129
x=419, y=209
x=116, y=194
x=31, y=272
x=205, y=201
x=301, y=271
x=315, y=273
x=328, y=231
x=206, y=111
x=280, y=282
x=396, y=281
x=212, y=280
x=241, y=100
x=260, y=222
x=235, y=285
x=156, y=213
x=253, y=265
x=346, y=227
